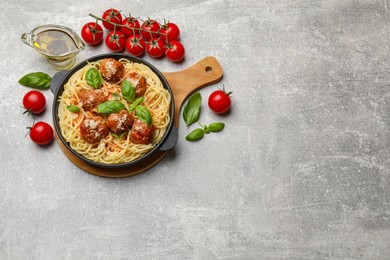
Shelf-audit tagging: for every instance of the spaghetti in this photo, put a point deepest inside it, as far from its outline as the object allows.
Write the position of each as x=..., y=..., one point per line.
x=113, y=149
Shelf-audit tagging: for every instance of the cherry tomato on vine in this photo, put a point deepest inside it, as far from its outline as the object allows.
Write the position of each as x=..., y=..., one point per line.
x=150, y=26
x=113, y=16
x=34, y=102
x=92, y=33
x=155, y=47
x=219, y=101
x=171, y=30
x=174, y=51
x=130, y=22
x=135, y=45
x=41, y=133
x=115, y=41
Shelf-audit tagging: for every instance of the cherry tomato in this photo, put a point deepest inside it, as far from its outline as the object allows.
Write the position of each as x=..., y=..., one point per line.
x=171, y=30
x=174, y=51
x=41, y=133
x=34, y=101
x=219, y=101
x=130, y=22
x=150, y=26
x=115, y=41
x=135, y=45
x=113, y=16
x=92, y=33
x=155, y=47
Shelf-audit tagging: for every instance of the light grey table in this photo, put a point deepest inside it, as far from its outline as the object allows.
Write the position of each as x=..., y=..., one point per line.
x=301, y=170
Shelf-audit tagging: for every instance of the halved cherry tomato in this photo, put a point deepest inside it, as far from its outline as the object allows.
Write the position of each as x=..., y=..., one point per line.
x=34, y=102
x=41, y=133
x=112, y=15
x=135, y=45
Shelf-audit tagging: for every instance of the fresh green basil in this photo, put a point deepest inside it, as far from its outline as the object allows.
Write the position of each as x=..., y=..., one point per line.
x=119, y=136
x=94, y=77
x=73, y=108
x=38, y=80
x=136, y=103
x=191, y=110
x=195, y=135
x=128, y=91
x=116, y=96
x=144, y=114
x=110, y=106
x=216, y=127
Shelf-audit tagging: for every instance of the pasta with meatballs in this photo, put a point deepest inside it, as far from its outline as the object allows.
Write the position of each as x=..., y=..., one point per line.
x=104, y=125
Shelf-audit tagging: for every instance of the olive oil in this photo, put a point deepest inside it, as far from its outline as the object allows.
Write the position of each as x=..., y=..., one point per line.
x=58, y=44
x=54, y=43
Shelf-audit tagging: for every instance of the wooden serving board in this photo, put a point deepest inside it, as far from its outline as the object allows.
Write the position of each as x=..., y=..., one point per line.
x=183, y=83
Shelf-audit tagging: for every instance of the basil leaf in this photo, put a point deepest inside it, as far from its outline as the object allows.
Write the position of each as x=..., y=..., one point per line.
x=117, y=96
x=119, y=136
x=128, y=91
x=94, y=77
x=73, y=108
x=191, y=110
x=110, y=106
x=144, y=114
x=195, y=135
x=38, y=80
x=216, y=127
x=136, y=103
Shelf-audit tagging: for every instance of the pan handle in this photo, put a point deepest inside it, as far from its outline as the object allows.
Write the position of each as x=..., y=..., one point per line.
x=56, y=80
x=171, y=139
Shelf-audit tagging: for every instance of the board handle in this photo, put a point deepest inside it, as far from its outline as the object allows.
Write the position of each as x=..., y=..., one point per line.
x=183, y=83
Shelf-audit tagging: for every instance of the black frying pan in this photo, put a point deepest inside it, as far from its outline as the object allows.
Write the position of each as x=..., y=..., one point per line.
x=168, y=141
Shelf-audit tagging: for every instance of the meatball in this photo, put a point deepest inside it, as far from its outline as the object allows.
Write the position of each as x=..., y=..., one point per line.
x=138, y=82
x=120, y=122
x=112, y=70
x=141, y=132
x=90, y=98
x=93, y=129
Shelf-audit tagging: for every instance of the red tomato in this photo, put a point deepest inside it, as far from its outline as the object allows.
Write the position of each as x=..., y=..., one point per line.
x=41, y=133
x=171, y=30
x=130, y=22
x=150, y=26
x=92, y=33
x=174, y=51
x=115, y=41
x=135, y=45
x=155, y=47
x=34, y=101
x=113, y=16
x=219, y=101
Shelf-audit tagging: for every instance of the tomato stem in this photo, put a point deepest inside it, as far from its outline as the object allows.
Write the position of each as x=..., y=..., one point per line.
x=126, y=25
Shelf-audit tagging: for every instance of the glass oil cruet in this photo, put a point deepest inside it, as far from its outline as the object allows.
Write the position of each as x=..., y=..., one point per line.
x=58, y=44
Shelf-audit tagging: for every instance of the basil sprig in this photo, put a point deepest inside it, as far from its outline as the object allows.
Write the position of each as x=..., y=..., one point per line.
x=191, y=110
x=118, y=136
x=94, y=77
x=110, y=106
x=144, y=114
x=198, y=133
x=128, y=91
x=73, y=108
x=136, y=103
x=38, y=80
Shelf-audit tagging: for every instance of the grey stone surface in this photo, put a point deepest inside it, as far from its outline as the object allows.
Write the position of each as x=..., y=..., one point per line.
x=300, y=172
